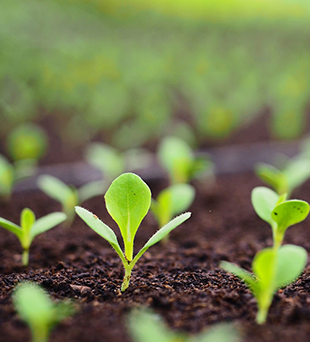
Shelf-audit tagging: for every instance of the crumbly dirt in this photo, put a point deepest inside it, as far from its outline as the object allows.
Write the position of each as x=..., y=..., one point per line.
x=180, y=279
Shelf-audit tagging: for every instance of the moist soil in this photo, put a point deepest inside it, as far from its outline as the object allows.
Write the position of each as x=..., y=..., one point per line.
x=180, y=280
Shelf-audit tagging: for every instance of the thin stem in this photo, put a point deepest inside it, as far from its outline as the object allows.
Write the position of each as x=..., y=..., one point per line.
x=25, y=257
x=262, y=315
x=127, y=276
x=40, y=334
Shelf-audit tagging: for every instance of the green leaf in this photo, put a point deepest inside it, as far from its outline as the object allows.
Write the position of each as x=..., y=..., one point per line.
x=100, y=228
x=91, y=189
x=161, y=233
x=291, y=262
x=289, y=213
x=297, y=172
x=264, y=267
x=128, y=200
x=6, y=176
x=47, y=222
x=218, y=333
x=27, y=219
x=273, y=177
x=56, y=189
x=10, y=226
x=244, y=275
x=264, y=200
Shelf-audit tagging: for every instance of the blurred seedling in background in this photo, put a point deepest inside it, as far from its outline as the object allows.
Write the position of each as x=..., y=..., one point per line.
x=286, y=179
x=35, y=307
x=112, y=163
x=278, y=212
x=68, y=195
x=30, y=227
x=146, y=326
x=178, y=160
x=272, y=269
x=172, y=201
x=128, y=200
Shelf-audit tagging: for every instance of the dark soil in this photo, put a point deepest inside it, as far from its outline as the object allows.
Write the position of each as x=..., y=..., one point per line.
x=180, y=280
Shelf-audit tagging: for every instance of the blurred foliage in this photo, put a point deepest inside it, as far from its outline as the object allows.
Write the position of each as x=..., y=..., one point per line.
x=120, y=69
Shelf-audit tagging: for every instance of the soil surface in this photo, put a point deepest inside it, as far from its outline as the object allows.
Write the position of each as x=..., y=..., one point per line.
x=180, y=280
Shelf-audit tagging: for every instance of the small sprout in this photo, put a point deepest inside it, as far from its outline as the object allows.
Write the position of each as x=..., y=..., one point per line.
x=128, y=200
x=30, y=227
x=112, y=163
x=273, y=269
x=146, y=326
x=296, y=172
x=34, y=306
x=278, y=212
x=172, y=201
x=178, y=160
x=27, y=141
x=69, y=196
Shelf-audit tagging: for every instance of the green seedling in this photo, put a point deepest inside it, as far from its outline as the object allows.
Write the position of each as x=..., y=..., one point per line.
x=296, y=172
x=10, y=174
x=112, y=162
x=146, y=326
x=172, y=201
x=178, y=160
x=27, y=141
x=34, y=306
x=30, y=227
x=128, y=200
x=272, y=269
x=278, y=212
x=69, y=196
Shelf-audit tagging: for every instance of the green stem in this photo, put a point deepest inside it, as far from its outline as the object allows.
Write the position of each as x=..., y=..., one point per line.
x=127, y=276
x=25, y=257
x=262, y=315
x=39, y=334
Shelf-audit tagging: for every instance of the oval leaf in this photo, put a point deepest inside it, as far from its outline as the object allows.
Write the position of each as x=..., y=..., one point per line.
x=264, y=201
x=55, y=188
x=128, y=200
x=291, y=262
x=47, y=222
x=289, y=213
x=27, y=219
x=264, y=266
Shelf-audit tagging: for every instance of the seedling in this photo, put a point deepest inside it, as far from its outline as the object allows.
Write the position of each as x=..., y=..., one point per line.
x=146, y=326
x=273, y=269
x=172, y=201
x=296, y=172
x=178, y=160
x=278, y=212
x=34, y=306
x=128, y=200
x=112, y=162
x=30, y=227
x=69, y=196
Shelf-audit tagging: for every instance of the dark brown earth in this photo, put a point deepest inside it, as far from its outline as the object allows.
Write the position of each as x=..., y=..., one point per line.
x=180, y=280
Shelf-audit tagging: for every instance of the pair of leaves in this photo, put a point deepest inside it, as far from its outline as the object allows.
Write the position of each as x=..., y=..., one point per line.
x=36, y=308
x=30, y=227
x=128, y=200
x=172, y=201
x=285, y=181
x=273, y=269
x=278, y=212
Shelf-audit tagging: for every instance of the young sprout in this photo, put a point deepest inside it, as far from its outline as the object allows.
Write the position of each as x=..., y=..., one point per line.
x=30, y=227
x=69, y=196
x=128, y=200
x=146, y=326
x=172, y=201
x=278, y=212
x=112, y=162
x=272, y=269
x=178, y=160
x=296, y=172
x=34, y=306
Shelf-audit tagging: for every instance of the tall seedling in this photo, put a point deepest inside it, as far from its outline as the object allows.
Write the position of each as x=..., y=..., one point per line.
x=128, y=200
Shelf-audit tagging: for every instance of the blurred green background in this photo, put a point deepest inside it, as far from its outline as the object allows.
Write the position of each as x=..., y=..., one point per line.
x=133, y=71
